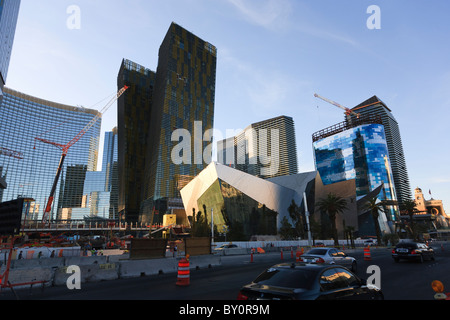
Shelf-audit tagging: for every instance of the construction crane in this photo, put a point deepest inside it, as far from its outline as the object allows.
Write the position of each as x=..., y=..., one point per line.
x=347, y=110
x=11, y=153
x=65, y=149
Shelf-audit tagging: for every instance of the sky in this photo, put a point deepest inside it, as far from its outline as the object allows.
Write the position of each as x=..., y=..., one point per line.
x=273, y=55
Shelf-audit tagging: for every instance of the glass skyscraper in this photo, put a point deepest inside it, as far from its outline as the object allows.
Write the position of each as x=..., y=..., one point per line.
x=374, y=106
x=22, y=119
x=357, y=150
x=184, y=93
x=9, y=11
x=179, y=95
x=134, y=116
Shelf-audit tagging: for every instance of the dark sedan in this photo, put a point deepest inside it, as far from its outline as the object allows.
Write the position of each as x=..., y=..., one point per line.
x=308, y=282
x=412, y=251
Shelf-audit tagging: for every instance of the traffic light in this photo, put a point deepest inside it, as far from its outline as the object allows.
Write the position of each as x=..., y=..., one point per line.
x=11, y=217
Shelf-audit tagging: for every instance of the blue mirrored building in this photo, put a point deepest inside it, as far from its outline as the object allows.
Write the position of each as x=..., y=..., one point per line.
x=358, y=150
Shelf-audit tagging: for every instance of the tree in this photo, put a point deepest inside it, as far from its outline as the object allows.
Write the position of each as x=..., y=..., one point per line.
x=297, y=219
x=286, y=231
x=332, y=205
x=410, y=206
x=375, y=208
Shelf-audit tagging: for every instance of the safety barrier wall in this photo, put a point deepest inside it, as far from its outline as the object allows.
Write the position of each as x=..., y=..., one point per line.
x=97, y=268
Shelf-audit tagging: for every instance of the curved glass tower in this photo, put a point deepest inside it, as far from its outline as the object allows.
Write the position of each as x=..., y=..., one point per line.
x=22, y=119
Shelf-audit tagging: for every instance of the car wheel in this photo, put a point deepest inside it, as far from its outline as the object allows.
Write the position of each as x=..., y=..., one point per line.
x=396, y=259
x=432, y=257
x=354, y=266
x=421, y=259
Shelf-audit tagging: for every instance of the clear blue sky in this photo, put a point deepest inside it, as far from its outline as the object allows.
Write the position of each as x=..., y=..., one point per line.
x=273, y=55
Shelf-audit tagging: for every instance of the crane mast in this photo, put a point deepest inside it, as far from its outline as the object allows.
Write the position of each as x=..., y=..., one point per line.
x=65, y=149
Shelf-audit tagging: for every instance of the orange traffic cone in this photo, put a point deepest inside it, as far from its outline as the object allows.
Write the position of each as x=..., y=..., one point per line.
x=367, y=256
x=183, y=273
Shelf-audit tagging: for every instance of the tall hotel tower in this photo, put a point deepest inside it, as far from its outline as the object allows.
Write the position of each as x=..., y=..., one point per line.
x=9, y=11
x=182, y=98
x=134, y=116
x=22, y=119
x=375, y=106
x=266, y=149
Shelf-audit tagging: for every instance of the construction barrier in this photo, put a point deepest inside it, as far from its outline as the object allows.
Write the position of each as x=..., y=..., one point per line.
x=183, y=273
x=367, y=255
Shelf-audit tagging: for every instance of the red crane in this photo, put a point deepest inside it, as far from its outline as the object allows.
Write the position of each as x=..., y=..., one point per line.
x=65, y=149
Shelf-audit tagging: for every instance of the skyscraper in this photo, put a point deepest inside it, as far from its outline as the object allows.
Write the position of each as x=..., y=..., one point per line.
x=394, y=142
x=359, y=151
x=184, y=94
x=134, y=117
x=265, y=149
x=9, y=11
x=22, y=119
x=180, y=95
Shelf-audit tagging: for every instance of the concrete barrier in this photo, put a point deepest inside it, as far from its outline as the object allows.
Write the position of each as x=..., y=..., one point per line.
x=140, y=268
x=98, y=268
x=17, y=276
x=88, y=273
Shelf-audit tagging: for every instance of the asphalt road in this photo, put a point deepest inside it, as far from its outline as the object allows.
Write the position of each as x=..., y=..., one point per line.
x=399, y=281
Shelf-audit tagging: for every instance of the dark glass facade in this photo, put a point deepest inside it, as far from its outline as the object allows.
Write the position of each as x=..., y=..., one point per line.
x=236, y=212
x=180, y=95
x=184, y=93
x=134, y=117
x=22, y=119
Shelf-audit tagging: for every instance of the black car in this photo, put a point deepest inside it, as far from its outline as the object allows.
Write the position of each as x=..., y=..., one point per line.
x=412, y=251
x=300, y=281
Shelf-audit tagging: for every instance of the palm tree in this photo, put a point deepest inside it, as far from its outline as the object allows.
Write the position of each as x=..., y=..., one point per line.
x=332, y=205
x=410, y=206
x=375, y=208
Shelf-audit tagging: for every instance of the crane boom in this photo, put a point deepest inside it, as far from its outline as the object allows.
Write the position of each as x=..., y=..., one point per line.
x=65, y=148
x=347, y=110
x=11, y=153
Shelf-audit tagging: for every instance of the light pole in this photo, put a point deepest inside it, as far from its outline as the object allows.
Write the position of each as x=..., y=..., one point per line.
x=212, y=228
x=307, y=219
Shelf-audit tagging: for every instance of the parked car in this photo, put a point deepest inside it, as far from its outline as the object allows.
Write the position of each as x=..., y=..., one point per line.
x=228, y=246
x=329, y=256
x=412, y=251
x=370, y=242
x=302, y=281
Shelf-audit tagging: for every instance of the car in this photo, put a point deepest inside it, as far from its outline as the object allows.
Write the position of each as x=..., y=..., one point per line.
x=303, y=281
x=226, y=246
x=329, y=256
x=229, y=248
x=410, y=250
x=370, y=242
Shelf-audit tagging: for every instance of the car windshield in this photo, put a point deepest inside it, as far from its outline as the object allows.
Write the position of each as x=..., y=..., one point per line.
x=287, y=278
x=319, y=252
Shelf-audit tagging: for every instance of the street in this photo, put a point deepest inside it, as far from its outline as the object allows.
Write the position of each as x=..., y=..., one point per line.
x=406, y=280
